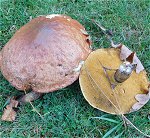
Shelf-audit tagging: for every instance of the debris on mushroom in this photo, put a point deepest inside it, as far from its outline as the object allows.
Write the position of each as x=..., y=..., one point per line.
x=53, y=16
x=77, y=69
x=111, y=84
x=43, y=54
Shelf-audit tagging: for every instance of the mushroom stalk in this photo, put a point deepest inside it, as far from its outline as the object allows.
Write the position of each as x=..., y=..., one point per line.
x=124, y=71
x=29, y=97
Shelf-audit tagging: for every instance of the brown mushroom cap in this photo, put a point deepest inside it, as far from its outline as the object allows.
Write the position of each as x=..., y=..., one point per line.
x=44, y=53
x=97, y=89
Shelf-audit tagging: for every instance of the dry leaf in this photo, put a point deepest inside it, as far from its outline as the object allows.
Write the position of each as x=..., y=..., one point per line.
x=13, y=103
x=9, y=113
x=142, y=100
x=136, y=106
x=139, y=66
x=125, y=53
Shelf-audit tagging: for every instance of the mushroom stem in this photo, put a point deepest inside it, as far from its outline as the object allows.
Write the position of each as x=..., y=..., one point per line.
x=124, y=71
x=29, y=97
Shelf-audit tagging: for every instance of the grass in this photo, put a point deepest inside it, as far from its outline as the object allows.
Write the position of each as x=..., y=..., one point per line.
x=65, y=112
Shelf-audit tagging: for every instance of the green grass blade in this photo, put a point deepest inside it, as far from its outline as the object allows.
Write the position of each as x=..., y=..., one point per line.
x=106, y=119
x=111, y=131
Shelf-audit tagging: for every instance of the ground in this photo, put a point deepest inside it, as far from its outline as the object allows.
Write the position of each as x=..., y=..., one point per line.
x=66, y=113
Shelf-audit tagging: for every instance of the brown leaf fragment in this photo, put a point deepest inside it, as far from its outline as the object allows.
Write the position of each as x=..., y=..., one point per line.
x=130, y=57
x=125, y=52
x=13, y=103
x=9, y=113
x=142, y=100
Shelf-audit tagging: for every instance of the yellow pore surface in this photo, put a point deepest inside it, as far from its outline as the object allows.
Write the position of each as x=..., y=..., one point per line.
x=97, y=89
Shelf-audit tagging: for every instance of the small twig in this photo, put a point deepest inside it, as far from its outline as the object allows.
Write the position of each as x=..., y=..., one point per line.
x=129, y=122
x=34, y=109
x=109, y=68
x=105, y=71
x=108, y=34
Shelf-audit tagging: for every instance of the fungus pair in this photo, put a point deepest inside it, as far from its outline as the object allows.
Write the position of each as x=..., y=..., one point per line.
x=47, y=54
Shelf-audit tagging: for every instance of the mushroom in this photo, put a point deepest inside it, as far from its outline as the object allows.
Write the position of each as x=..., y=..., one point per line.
x=45, y=54
x=113, y=80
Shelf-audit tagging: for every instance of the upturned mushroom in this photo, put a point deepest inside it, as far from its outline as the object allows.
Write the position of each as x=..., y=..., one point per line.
x=45, y=55
x=113, y=80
